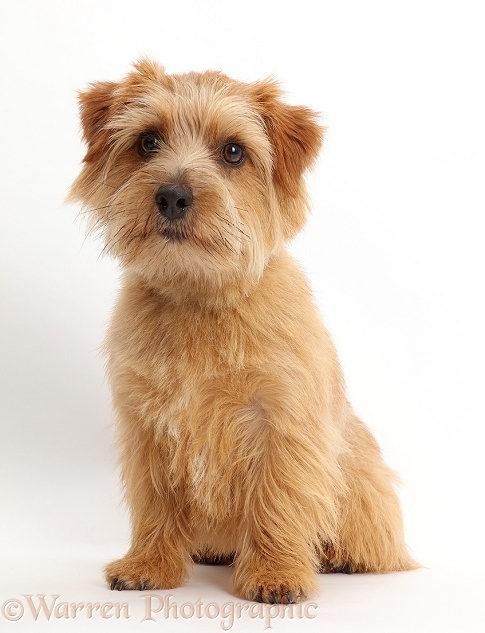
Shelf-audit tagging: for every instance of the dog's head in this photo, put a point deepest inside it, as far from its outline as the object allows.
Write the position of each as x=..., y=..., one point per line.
x=197, y=176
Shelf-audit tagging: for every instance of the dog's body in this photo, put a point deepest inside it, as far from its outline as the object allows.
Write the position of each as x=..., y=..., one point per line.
x=237, y=441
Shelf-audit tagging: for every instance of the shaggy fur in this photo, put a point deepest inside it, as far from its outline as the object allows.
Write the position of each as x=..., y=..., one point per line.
x=236, y=438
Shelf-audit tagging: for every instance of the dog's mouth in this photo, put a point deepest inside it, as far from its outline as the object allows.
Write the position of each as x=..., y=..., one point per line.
x=174, y=234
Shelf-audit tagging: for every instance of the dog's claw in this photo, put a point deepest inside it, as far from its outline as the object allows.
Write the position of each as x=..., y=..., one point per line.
x=113, y=583
x=121, y=586
x=274, y=597
x=289, y=597
x=142, y=586
x=259, y=596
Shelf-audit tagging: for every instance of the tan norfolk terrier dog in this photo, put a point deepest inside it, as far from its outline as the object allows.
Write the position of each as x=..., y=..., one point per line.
x=237, y=441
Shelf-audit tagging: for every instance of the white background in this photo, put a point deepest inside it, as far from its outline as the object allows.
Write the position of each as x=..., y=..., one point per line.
x=394, y=251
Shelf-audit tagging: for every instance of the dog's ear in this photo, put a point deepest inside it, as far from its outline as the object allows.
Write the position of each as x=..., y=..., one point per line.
x=295, y=135
x=104, y=99
x=96, y=106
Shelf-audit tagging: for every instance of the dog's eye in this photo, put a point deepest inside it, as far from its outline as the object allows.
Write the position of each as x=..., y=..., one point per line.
x=233, y=154
x=147, y=144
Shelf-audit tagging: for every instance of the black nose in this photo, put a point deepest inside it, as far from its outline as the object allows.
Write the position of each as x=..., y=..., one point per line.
x=173, y=200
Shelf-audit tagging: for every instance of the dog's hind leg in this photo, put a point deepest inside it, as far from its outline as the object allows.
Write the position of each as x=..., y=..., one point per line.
x=370, y=532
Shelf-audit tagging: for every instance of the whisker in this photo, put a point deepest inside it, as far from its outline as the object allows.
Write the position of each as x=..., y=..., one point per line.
x=103, y=220
x=226, y=243
x=200, y=242
x=216, y=244
x=134, y=237
x=236, y=237
x=109, y=246
x=145, y=228
x=232, y=224
x=94, y=209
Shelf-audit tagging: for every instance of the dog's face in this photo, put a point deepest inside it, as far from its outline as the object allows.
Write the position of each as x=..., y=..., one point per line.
x=195, y=177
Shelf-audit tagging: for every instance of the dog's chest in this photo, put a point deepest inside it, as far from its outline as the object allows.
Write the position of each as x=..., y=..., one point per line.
x=210, y=418
x=184, y=347
x=194, y=370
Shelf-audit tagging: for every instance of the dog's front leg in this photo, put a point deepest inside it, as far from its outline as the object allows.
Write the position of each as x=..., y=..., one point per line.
x=288, y=512
x=159, y=557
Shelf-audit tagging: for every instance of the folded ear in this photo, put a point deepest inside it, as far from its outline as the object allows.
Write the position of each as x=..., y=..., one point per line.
x=96, y=107
x=103, y=99
x=295, y=136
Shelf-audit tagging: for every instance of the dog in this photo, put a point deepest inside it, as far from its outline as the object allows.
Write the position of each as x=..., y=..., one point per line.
x=237, y=443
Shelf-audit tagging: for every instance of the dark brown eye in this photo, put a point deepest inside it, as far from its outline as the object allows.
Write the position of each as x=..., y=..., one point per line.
x=148, y=144
x=233, y=154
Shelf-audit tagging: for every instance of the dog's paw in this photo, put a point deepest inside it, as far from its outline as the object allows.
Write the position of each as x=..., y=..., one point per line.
x=333, y=564
x=327, y=567
x=118, y=584
x=279, y=594
x=275, y=587
x=140, y=574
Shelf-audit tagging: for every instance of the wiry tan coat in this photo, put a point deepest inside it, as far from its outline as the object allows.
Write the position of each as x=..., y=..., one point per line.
x=236, y=438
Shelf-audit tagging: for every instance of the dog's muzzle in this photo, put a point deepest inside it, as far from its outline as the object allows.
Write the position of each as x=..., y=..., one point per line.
x=173, y=201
